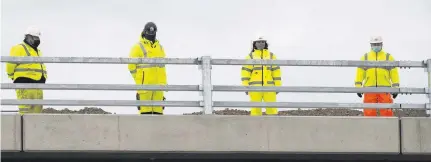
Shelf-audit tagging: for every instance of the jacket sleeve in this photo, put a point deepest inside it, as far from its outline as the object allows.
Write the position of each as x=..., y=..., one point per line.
x=394, y=74
x=134, y=53
x=246, y=73
x=276, y=73
x=10, y=67
x=360, y=74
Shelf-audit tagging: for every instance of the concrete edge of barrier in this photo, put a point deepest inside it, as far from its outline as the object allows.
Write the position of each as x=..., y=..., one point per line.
x=416, y=135
x=12, y=126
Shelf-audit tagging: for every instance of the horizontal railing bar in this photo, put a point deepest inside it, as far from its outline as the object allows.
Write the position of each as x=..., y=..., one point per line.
x=128, y=87
x=9, y=111
x=318, y=89
x=100, y=60
x=330, y=63
x=195, y=61
x=101, y=103
x=117, y=87
x=316, y=105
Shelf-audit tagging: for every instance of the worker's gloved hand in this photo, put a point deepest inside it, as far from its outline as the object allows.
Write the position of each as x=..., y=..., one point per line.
x=394, y=95
x=246, y=93
x=359, y=95
x=163, y=100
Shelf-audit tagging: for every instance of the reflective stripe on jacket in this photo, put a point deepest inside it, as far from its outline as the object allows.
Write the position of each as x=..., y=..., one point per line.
x=261, y=75
x=154, y=74
x=377, y=77
x=28, y=70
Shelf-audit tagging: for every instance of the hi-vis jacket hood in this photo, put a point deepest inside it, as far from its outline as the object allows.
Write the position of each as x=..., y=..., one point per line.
x=33, y=71
x=148, y=74
x=261, y=75
x=377, y=77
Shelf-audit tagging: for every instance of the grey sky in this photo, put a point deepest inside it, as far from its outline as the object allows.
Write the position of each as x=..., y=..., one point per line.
x=296, y=29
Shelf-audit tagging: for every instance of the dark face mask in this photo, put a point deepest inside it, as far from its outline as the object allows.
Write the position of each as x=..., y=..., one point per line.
x=32, y=41
x=151, y=37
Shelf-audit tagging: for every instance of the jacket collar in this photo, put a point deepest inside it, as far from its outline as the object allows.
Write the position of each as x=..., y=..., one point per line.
x=379, y=53
x=264, y=50
x=146, y=41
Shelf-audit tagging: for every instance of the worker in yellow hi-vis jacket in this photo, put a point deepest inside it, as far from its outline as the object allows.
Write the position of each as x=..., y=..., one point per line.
x=377, y=77
x=261, y=75
x=148, y=74
x=28, y=72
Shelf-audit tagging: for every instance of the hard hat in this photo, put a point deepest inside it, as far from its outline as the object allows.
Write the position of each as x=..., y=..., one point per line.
x=259, y=38
x=376, y=39
x=33, y=31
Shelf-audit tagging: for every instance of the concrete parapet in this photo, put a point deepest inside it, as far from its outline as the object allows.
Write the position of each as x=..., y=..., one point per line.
x=210, y=133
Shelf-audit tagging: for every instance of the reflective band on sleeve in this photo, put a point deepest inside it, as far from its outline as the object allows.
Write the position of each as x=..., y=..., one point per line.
x=275, y=68
x=378, y=86
x=150, y=66
x=384, y=68
x=245, y=78
x=144, y=66
x=24, y=109
x=255, y=82
x=29, y=70
x=143, y=49
x=246, y=69
x=358, y=83
x=257, y=68
x=276, y=78
x=260, y=82
x=396, y=85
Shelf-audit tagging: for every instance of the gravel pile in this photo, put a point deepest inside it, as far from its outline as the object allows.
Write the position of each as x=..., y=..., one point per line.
x=318, y=112
x=86, y=110
x=227, y=111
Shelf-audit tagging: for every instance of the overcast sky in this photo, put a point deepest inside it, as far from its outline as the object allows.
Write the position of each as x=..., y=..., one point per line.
x=296, y=29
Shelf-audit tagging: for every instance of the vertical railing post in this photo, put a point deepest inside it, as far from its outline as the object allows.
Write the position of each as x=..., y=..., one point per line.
x=206, y=85
x=428, y=112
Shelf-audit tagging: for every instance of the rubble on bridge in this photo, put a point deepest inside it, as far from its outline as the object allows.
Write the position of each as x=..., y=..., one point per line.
x=227, y=111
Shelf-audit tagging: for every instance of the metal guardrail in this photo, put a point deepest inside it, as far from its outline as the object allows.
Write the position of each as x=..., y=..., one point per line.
x=207, y=88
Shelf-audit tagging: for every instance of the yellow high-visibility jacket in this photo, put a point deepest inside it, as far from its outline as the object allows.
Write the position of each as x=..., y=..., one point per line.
x=261, y=75
x=377, y=77
x=28, y=70
x=148, y=74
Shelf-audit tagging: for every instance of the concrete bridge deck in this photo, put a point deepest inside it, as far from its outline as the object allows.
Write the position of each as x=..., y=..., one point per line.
x=133, y=136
